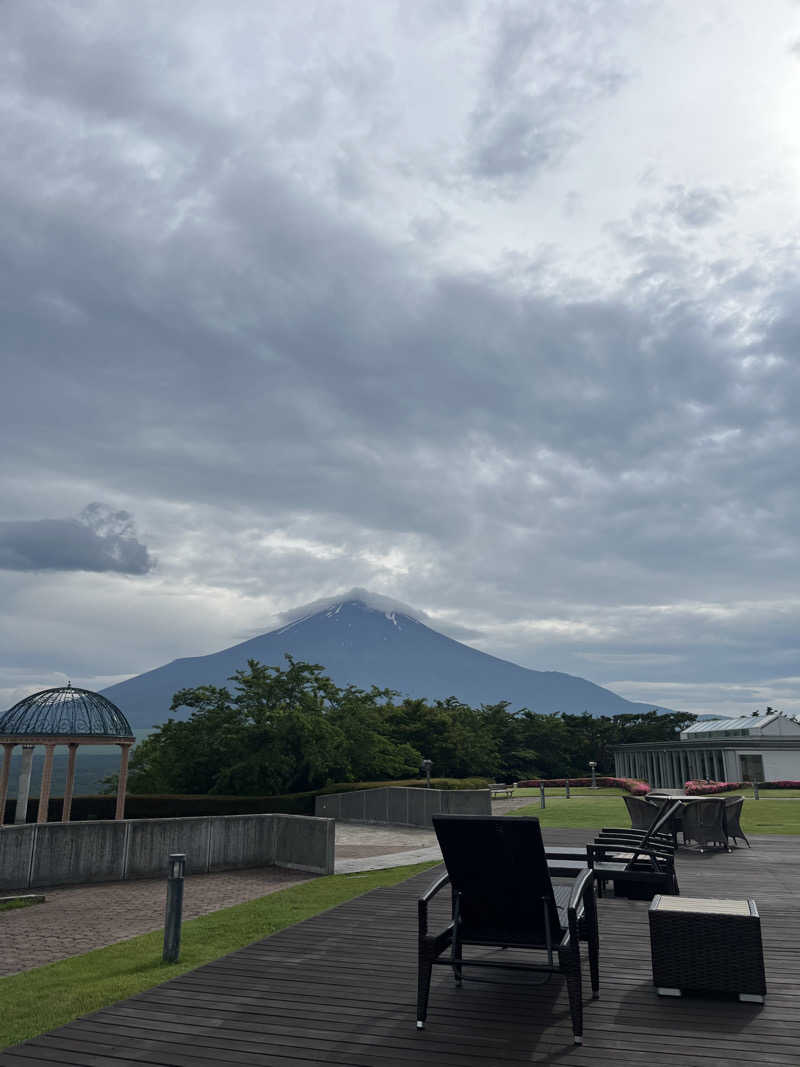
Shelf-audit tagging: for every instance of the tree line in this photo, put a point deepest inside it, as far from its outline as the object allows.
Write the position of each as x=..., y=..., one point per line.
x=290, y=728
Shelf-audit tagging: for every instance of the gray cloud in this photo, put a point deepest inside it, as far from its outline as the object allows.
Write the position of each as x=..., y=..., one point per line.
x=234, y=304
x=101, y=540
x=547, y=65
x=699, y=207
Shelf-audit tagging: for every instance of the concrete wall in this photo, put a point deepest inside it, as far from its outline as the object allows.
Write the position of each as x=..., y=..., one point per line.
x=108, y=851
x=402, y=806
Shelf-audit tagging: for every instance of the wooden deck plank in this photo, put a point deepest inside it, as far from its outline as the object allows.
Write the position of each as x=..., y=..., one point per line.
x=340, y=989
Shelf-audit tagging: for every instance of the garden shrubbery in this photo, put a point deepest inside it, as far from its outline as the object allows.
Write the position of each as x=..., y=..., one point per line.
x=631, y=785
x=701, y=789
x=177, y=805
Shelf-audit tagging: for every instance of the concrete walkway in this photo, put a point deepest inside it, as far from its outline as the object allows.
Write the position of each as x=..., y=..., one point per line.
x=374, y=848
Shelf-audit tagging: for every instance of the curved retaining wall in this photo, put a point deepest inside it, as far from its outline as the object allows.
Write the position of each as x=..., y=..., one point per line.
x=51, y=854
x=400, y=806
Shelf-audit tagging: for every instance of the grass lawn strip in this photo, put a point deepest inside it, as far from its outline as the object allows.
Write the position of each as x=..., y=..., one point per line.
x=769, y=815
x=41, y=999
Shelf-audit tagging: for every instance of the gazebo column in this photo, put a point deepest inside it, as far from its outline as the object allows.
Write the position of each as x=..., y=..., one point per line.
x=70, y=783
x=8, y=748
x=122, y=785
x=24, y=786
x=44, y=791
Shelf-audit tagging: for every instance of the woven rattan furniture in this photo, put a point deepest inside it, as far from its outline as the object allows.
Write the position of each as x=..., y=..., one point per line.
x=503, y=897
x=733, y=811
x=709, y=946
x=641, y=811
x=704, y=822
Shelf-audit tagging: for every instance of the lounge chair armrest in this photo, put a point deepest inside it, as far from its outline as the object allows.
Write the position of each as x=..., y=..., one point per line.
x=583, y=881
x=432, y=890
x=422, y=903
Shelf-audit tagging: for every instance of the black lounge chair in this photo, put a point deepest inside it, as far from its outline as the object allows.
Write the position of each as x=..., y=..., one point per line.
x=733, y=810
x=640, y=863
x=503, y=897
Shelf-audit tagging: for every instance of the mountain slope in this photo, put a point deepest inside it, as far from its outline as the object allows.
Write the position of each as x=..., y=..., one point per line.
x=364, y=646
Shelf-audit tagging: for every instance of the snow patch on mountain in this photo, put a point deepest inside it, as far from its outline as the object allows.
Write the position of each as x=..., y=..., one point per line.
x=385, y=605
x=332, y=605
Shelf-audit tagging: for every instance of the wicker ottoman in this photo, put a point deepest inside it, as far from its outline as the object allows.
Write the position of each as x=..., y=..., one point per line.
x=707, y=945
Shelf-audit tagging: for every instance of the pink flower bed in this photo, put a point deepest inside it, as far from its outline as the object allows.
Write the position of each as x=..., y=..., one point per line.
x=701, y=789
x=630, y=784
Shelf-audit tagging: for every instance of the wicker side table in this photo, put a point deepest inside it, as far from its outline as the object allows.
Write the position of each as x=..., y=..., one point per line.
x=707, y=945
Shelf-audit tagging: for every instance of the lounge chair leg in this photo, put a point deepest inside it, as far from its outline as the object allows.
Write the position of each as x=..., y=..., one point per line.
x=594, y=944
x=575, y=999
x=423, y=990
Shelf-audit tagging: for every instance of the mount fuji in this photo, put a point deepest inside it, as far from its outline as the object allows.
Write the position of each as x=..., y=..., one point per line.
x=364, y=640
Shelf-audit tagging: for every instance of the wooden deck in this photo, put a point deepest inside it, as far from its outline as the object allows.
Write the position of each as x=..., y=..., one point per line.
x=340, y=989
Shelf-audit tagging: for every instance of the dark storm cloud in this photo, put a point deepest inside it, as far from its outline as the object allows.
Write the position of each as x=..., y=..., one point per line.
x=101, y=540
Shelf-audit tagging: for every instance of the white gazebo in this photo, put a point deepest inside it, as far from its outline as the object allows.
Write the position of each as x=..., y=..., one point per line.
x=63, y=716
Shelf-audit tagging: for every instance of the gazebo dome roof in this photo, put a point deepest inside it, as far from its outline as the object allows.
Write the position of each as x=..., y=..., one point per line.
x=65, y=712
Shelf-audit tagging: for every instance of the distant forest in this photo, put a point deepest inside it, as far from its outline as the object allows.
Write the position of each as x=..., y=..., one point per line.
x=291, y=728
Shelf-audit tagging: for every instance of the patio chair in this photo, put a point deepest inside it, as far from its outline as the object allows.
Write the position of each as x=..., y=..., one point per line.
x=641, y=811
x=704, y=823
x=733, y=811
x=503, y=897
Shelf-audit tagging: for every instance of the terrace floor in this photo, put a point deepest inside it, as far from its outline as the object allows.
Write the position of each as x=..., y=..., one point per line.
x=340, y=989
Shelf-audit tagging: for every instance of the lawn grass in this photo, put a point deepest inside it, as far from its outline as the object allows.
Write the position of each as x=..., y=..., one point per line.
x=41, y=999
x=10, y=905
x=769, y=815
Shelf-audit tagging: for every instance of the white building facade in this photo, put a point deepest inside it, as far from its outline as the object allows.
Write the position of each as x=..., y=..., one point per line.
x=763, y=748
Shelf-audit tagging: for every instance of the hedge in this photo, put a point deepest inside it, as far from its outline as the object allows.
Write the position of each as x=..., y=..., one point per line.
x=701, y=789
x=166, y=806
x=631, y=785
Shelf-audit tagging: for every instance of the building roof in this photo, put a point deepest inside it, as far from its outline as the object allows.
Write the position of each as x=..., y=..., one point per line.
x=65, y=712
x=742, y=722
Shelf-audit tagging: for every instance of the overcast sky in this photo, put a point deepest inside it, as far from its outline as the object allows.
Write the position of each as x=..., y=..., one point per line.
x=489, y=307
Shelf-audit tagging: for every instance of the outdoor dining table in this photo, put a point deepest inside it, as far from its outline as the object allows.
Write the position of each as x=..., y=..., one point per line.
x=676, y=822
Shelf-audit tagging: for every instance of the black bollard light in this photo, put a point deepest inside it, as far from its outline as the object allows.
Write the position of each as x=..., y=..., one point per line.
x=755, y=790
x=172, y=921
x=593, y=767
x=541, y=794
x=566, y=788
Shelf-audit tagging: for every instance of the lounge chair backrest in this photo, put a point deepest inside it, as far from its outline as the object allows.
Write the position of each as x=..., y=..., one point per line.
x=498, y=868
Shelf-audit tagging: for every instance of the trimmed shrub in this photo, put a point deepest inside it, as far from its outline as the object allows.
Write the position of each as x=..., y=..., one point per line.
x=702, y=789
x=173, y=806
x=782, y=783
x=631, y=785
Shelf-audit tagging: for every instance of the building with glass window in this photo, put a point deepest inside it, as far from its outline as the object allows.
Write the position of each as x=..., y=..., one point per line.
x=760, y=748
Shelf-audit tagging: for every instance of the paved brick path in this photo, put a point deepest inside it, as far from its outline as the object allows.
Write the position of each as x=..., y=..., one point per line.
x=76, y=919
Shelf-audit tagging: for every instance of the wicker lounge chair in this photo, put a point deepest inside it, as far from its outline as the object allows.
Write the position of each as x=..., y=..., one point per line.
x=640, y=863
x=503, y=897
x=733, y=811
x=704, y=823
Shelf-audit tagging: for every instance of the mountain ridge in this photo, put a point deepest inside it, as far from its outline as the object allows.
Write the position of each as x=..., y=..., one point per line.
x=364, y=646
